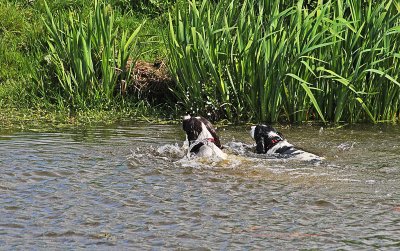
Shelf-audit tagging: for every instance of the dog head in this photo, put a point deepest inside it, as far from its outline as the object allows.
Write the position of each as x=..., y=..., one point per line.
x=265, y=136
x=198, y=130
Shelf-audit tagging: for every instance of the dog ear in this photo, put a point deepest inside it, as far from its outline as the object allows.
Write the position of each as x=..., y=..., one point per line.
x=192, y=127
x=260, y=145
x=186, y=123
x=212, y=131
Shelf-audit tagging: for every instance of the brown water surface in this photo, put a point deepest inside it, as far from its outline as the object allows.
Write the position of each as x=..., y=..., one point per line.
x=130, y=186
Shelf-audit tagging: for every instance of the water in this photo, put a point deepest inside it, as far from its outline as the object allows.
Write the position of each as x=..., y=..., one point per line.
x=129, y=186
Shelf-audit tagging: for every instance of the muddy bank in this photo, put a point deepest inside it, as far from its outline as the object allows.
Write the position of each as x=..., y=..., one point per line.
x=151, y=81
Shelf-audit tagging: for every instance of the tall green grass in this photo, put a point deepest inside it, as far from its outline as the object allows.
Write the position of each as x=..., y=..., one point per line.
x=18, y=27
x=148, y=7
x=87, y=59
x=295, y=61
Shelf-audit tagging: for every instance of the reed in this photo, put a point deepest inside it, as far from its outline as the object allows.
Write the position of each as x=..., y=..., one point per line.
x=87, y=59
x=335, y=61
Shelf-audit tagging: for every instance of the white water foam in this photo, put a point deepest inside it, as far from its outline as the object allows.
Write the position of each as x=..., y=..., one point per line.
x=239, y=155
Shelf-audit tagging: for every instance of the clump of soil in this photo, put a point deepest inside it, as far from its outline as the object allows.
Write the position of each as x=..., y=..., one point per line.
x=151, y=81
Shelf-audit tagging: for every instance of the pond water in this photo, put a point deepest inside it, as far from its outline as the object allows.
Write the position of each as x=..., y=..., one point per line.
x=130, y=186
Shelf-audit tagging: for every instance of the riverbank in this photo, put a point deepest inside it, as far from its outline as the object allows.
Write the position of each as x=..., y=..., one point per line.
x=29, y=97
x=82, y=61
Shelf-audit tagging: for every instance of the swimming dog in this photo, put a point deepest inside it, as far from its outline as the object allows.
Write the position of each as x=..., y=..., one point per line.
x=270, y=141
x=202, y=137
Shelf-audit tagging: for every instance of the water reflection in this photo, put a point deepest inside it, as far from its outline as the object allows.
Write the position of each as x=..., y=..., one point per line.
x=130, y=186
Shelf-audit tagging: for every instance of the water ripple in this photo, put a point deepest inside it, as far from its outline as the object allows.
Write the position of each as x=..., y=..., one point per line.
x=132, y=187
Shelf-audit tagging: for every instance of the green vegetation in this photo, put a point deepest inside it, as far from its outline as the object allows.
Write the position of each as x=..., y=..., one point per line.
x=86, y=63
x=268, y=61
x=148, y=7
x=241, y=60
x=72, y=59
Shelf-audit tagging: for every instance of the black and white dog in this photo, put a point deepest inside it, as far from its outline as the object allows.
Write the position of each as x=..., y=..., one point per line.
x=270, y=141
x=202, y=137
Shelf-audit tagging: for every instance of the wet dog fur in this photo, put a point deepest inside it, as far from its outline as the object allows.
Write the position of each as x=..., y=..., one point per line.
x=202, y=137
x=270, y=141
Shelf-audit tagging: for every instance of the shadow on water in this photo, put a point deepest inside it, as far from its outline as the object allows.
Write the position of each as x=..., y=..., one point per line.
x=132, y=186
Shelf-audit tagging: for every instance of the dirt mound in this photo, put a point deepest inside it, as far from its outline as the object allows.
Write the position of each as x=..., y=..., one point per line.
x=151, y=81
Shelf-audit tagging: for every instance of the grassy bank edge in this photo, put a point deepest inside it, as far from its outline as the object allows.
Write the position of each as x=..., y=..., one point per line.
x=31, y=119
x=20, y=116
x=43, y=119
